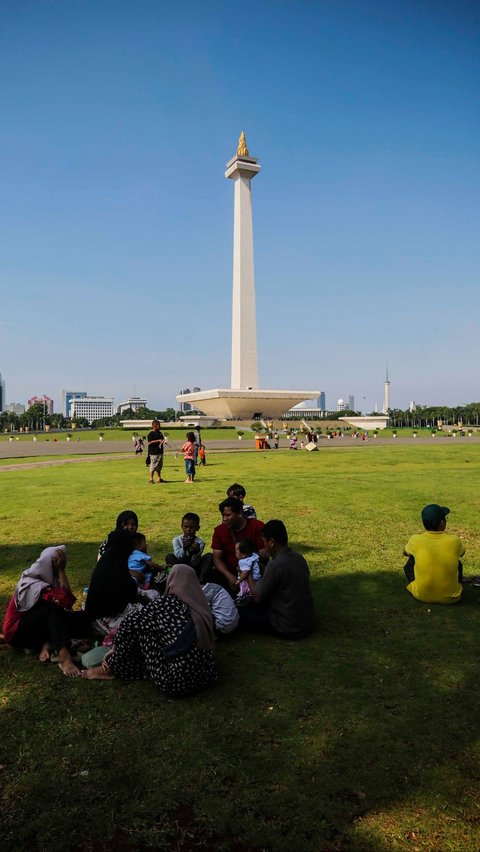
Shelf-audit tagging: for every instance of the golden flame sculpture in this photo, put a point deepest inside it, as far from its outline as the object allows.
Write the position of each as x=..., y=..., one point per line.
x=242, y=150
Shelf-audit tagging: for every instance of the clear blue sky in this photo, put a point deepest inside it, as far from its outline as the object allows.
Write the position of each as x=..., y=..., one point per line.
x=118, y=117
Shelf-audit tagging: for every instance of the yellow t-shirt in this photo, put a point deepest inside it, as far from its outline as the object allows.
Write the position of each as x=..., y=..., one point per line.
x=436, y=567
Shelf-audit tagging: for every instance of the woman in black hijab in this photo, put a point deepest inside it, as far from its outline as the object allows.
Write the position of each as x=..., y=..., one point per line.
x=126, y=521
x=112, y=589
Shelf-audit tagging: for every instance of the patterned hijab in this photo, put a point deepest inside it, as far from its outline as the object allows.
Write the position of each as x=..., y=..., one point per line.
x=183, y=583
x=36, y=578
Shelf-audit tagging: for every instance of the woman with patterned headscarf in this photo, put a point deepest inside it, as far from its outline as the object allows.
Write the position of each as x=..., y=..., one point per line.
x=169, y=642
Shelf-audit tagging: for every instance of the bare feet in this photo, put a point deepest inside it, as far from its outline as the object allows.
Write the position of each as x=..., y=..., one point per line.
x=66, y=664
x=97, y=673
x=44, y=654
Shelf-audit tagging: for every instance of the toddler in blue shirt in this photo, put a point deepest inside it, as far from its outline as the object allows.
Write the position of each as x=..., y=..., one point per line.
x=140, y=564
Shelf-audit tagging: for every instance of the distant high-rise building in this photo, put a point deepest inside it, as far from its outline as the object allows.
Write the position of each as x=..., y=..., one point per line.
x=412, y=406
x=16, y=408
x=186, y=406
x=3, y=400
x=67, y=396
x=351, y=402
x=322, y=401
x=340, y=405
x=44, y=400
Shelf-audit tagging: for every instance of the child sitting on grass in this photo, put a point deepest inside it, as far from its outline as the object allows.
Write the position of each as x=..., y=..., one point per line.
x=248, y=563
x=140, y=565
x=434, y=569
x=188, y=546
x=238, y=491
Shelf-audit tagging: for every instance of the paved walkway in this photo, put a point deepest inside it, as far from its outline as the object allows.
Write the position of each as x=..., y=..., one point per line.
x=92, y=451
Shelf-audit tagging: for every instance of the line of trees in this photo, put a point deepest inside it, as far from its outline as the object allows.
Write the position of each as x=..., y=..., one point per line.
x=429, y=415
x=35, y=419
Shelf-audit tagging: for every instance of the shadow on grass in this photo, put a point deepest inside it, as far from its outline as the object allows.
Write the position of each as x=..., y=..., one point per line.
x=300, y=746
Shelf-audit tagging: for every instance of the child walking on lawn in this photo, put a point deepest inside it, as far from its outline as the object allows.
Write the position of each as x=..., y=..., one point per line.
x=188, y=451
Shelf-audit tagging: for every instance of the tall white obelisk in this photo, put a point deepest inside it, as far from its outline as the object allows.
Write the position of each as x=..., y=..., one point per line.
x=241, y=169
x=243, y=399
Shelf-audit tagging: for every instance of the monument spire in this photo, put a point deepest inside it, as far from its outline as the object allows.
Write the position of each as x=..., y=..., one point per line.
x=386, y=396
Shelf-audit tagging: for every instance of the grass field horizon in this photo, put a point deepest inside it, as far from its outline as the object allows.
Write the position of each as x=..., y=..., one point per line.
x=363, y=736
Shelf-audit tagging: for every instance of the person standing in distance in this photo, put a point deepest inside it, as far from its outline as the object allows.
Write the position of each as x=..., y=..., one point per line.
x=155, y=442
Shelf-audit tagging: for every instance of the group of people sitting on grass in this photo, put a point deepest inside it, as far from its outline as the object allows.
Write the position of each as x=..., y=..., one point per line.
x=160, y=621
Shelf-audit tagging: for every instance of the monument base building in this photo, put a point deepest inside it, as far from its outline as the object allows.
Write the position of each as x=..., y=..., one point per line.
x=235, y=404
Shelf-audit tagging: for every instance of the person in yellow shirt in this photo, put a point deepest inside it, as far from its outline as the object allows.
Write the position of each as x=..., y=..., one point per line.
x=434, y=569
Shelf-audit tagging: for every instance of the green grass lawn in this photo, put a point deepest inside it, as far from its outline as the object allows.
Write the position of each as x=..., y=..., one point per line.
x=365, y=736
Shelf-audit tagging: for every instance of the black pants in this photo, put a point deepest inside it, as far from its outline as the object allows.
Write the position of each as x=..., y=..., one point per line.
x=209, y=574
x=49, y=623
x=202, y=567
x=409, y=569
x=255, y=617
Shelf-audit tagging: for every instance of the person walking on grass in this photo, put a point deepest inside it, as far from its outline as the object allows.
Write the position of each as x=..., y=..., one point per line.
x=434, y=570
x=188, y=451
x=155, y=444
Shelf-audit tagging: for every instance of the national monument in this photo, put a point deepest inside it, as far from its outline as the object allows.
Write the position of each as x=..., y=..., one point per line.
x=244, y=399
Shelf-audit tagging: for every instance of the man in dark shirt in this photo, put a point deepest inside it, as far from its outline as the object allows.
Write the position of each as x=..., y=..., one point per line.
x=155, y=442
x=282, y=599
x=234, y=527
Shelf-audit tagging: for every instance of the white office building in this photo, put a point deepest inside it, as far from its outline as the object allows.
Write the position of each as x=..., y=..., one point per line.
x=91, y=407
x=133, y=403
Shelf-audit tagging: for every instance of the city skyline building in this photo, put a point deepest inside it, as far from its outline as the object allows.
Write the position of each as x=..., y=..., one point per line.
x=66, y=397
x=44, y=400
x=91, y=407
x=133, y=403
x=244, y=398
x=3, y=399
x=16, y=408
x=351, y=402
x=186, y=406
